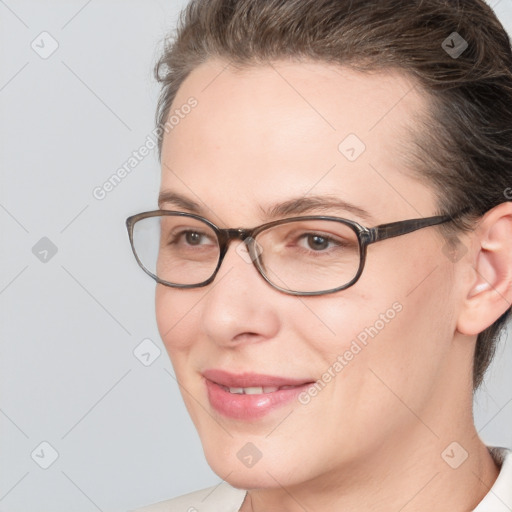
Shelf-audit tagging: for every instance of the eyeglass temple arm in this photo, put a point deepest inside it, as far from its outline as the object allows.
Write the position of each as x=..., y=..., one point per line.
x=392, y=229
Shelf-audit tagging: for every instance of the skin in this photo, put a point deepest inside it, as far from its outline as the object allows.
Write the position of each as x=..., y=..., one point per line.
x=372, y=439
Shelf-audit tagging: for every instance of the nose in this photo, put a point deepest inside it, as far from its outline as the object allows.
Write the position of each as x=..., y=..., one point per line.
x=240, y=305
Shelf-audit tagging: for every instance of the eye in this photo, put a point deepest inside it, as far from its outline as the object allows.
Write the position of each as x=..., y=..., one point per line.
x=190, y=238
x=317, y=242
x=193, y=237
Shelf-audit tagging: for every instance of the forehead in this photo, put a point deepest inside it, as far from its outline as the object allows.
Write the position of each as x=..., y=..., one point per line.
x=290, y=128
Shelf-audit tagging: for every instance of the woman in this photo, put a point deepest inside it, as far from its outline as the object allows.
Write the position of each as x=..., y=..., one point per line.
x=333, y=249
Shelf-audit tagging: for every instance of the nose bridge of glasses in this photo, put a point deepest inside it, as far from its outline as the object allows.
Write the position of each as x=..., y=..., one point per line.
x=244, y=235
x=235, y=234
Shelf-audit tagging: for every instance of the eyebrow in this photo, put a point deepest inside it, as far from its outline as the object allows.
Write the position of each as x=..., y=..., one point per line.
x=294, y=206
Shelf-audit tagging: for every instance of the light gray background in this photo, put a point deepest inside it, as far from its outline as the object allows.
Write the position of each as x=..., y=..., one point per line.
x=69, y=325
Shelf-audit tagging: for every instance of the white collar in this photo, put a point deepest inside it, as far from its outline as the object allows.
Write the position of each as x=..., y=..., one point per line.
x=499, y=497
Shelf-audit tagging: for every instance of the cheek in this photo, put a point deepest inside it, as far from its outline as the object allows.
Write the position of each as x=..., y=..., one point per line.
x=351, y=319
x=397, y=323
x=384, y=347
x=176, y=317
x=407, y=354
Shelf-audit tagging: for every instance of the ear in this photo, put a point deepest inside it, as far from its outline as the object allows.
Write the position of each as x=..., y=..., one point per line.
x=489, y=290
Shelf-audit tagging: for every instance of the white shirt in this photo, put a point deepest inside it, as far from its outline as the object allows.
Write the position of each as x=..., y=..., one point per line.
x=225, y=498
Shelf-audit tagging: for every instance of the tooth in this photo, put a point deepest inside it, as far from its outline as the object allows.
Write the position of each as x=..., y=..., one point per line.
x=253, y=391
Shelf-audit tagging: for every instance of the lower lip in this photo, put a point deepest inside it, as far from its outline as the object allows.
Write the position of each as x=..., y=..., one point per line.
x=249, y=407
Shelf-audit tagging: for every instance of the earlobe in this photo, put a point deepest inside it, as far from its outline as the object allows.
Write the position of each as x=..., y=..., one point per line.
x=489, y=294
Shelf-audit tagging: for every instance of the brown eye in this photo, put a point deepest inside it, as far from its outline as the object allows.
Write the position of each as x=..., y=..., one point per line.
x=193, y=237
x=317, y=243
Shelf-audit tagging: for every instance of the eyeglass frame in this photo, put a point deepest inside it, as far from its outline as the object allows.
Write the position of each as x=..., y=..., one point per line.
x=365, y=236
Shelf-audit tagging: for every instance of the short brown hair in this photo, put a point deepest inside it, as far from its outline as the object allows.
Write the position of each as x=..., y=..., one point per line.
x=463, y=148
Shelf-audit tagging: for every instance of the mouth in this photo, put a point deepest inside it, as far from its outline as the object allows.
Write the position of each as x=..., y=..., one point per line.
x=250, y=396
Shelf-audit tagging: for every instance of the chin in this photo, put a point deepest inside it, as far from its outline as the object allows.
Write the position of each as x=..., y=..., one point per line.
x=253, y=479
x=234, y=465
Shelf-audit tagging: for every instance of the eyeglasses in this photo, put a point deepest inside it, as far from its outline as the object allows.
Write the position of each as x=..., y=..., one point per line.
x=310, y=255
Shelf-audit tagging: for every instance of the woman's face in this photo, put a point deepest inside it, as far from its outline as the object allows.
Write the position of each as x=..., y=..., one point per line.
x=258, y=138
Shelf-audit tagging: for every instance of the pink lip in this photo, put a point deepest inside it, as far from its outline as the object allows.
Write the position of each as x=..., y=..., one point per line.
x=249, y=407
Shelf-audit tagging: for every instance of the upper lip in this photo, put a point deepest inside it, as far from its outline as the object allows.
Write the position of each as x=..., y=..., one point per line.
x=248, y=379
